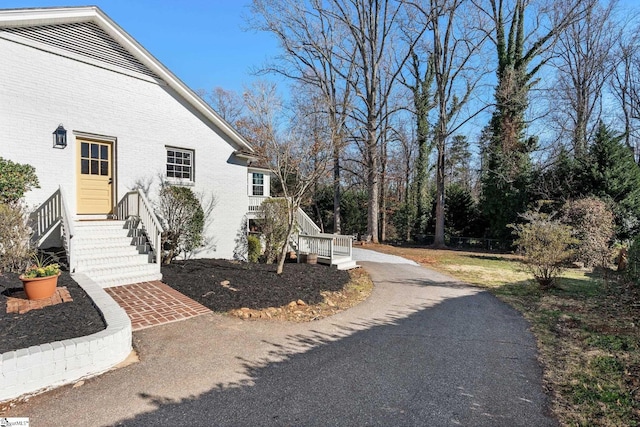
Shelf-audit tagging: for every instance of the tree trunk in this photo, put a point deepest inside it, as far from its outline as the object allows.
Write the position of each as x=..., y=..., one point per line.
x=283, y=250
x=373, y=206
x=337, y=223
x=383, y=188
x=438, y=241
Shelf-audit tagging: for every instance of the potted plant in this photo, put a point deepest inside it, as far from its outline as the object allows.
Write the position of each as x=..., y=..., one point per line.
x=40, y=279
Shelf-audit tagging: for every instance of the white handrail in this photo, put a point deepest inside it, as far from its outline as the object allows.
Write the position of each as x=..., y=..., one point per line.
x=151, y=225
x=67, y=227
x=45, y=217
x=135, y=203
x=306, y=224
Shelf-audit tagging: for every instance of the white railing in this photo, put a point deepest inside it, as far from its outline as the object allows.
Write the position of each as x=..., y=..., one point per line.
x=255, y=202
x=135, y=203
x=306, y=224
x=320, y=245
x=46, y=217
x=51, y=213
x=328, y=246
x=67, y=229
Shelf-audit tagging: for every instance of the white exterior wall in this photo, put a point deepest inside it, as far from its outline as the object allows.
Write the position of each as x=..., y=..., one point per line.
x=39, y=90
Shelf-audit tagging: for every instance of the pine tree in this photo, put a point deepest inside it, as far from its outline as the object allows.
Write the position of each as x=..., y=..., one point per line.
x=610, y=173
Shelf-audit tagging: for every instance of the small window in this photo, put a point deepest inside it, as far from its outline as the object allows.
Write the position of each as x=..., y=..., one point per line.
x=258, y=184
x=180, y=164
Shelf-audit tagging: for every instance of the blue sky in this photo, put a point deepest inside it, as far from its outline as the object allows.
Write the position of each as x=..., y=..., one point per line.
x=201, y=41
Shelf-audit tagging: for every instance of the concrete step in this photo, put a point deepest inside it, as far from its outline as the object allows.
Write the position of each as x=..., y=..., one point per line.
x=120, y=269
x=106, y=251
x=113, y=253
x=106, y=233
x=101, y=260
x=344, y=264
x=102, y=242
x=111, y=280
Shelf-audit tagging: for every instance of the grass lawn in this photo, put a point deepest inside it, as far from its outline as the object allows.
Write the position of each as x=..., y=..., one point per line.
x=588, y=331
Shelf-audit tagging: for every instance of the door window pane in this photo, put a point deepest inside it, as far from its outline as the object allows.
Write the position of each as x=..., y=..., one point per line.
x=94, y=167
x=84, y=149
x=84, y=166
x=94, y=151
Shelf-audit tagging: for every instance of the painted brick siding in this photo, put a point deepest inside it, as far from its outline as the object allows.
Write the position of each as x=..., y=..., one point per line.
x=39, y=90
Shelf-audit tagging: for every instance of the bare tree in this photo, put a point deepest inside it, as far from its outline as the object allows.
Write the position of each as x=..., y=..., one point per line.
x=374, y=29
x=421, y=90
x=519, y=43
x=584, y=64
x=523, y=32
x=296, y=162
x=625, y=85
x=227, y=103
x=315, y=55
x=350, y=49
x=456, y=42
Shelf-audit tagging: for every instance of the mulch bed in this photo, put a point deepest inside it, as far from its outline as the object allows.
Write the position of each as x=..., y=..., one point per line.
x=58, y=322
x=303, y=292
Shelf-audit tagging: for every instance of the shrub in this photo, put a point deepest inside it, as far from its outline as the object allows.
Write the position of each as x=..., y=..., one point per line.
x=545, y=243
x=255, y=248
x=183, y=219
x=15, y=180
x=593, y=223
x=273, y=222
x=15, y=248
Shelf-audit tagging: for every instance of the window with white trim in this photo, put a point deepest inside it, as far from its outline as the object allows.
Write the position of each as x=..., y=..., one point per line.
x=258, y=184
x=180, y=163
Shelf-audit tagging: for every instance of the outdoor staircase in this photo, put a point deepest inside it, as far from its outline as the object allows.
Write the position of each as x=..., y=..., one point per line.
x=113, y=253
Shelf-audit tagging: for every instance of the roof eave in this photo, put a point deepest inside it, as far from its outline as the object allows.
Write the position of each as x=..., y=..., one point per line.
x=67, y=15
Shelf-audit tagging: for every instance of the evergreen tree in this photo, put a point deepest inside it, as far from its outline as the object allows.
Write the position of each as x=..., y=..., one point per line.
x=457, y=162
x=610, y=173
x=461, y=211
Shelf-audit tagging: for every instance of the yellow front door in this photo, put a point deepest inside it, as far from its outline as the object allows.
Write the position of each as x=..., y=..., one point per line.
x=95, y=179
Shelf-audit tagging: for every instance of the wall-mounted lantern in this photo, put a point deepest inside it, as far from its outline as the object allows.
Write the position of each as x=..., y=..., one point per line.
x=60, y=137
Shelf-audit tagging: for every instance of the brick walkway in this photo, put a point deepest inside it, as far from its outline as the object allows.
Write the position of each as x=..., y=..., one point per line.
x=154, y=303
x=18, y=302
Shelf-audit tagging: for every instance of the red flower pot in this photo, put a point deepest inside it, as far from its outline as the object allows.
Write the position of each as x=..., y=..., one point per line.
x=39, y=287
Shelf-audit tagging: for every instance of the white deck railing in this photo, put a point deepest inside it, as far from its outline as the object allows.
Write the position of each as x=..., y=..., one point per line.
x=328, y=246
x=309, y=238
x=255, y=202
x=135, y=203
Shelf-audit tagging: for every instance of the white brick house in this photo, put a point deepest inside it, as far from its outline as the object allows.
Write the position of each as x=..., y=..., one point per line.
x=127, y=118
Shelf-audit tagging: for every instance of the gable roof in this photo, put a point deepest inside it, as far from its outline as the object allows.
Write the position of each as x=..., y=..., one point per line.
x=87, y=33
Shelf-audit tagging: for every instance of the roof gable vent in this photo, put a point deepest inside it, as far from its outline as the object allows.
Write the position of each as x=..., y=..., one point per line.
x=85, y=39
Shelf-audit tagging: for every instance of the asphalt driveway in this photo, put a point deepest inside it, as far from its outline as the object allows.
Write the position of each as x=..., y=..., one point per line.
x=423, y=350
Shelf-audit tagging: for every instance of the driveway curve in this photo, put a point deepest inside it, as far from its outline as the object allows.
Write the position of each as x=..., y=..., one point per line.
x=423, y=350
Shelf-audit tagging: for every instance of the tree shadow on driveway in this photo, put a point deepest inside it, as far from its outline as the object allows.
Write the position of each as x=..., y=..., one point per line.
x=469, y=360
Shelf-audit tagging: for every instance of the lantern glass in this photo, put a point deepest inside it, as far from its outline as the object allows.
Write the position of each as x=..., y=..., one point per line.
x=60, y=137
